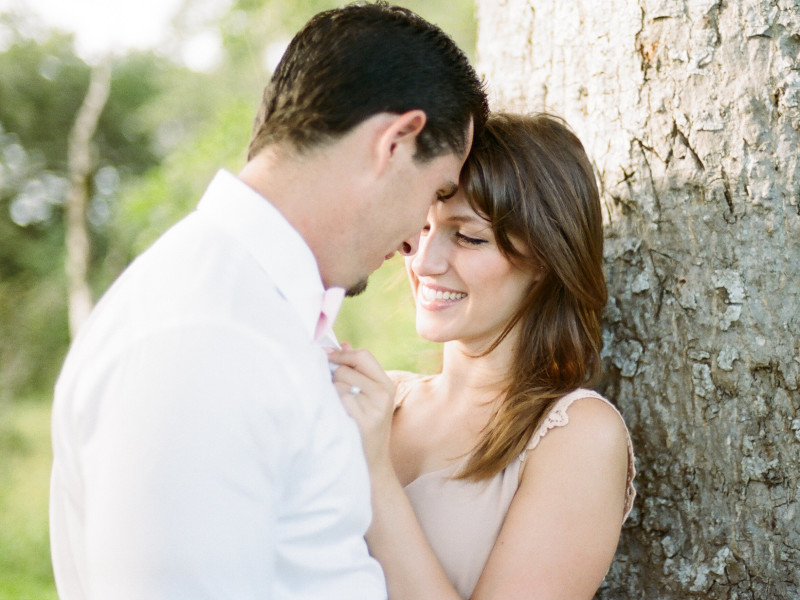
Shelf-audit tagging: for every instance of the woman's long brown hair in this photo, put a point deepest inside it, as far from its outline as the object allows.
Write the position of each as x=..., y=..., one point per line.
x=530, y=177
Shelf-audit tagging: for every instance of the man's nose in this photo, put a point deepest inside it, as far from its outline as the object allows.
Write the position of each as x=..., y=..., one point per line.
x=409, y=246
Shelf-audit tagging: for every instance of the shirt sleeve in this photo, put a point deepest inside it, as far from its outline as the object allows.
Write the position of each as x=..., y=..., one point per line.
x=184, y=464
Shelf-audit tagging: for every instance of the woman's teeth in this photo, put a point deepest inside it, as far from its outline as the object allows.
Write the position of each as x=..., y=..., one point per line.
x=431, y=294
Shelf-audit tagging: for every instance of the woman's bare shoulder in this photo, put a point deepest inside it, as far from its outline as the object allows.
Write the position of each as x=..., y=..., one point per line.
x=399, y=377
x=405, y=381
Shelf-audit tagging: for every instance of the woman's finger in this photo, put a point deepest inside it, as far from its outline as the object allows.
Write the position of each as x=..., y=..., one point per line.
x=361, y=360
x=371, y=408
x=367, y=385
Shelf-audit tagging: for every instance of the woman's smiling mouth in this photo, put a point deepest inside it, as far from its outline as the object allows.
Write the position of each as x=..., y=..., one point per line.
x=438, y=295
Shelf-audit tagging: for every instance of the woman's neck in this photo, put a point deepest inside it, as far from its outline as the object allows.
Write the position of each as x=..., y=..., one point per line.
x=466, y=373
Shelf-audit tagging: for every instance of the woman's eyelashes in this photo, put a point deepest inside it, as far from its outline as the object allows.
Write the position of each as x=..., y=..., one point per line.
x=468, y=240
x=461, y=238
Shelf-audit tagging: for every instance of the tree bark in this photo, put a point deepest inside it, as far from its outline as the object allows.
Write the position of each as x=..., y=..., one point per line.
x=690, y=110
x=80, y=162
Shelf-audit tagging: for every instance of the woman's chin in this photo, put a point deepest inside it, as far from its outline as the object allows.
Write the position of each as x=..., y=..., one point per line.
x=432, y=334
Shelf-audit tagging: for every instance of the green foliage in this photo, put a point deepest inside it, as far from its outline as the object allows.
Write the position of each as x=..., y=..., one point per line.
x=124, y=137
x=162, y=196
x=33, y=334
x=41, y=87
x=42, y=84
x=25, y=571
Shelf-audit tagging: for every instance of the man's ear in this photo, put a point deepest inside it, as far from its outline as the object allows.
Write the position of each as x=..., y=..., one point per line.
x=400, y=137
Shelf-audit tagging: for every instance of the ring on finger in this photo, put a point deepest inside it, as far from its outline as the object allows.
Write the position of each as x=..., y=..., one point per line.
x=355, y=390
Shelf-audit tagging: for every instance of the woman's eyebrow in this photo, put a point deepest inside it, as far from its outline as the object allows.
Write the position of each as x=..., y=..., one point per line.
x=465, y=219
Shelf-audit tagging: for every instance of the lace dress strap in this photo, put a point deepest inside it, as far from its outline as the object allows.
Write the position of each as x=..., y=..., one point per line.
x=558, y=417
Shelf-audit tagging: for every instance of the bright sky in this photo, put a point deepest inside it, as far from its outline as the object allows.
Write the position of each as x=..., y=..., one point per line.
x=117, y=25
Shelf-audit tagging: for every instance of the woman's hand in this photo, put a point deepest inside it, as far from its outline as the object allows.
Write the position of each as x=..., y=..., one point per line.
x=373, y=404
x=394, y=537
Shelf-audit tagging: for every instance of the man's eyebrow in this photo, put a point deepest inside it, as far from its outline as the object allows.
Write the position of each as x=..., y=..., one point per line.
x=447, y=191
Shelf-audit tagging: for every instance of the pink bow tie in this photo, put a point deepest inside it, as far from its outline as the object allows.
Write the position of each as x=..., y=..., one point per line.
x=331, y=303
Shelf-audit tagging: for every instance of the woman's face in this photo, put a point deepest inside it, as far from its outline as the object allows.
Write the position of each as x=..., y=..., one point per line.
x=465, y=288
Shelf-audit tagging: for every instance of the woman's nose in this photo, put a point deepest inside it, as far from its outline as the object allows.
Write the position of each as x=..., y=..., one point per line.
x=431, y=257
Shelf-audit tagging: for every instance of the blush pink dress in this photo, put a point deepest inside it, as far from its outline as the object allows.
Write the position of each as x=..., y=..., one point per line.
x=462, y=518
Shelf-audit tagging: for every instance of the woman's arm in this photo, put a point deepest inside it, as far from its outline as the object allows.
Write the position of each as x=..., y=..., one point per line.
x=395, y=537
x=563, y=526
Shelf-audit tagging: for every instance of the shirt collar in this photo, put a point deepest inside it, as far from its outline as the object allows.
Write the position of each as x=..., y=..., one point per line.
x=274, y=244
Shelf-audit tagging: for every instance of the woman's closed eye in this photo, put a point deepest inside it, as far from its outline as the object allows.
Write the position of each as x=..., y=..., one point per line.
x=468, y=240
x=463, y=239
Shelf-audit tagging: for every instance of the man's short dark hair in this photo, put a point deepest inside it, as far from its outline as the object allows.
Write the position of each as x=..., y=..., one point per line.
x=349, y=64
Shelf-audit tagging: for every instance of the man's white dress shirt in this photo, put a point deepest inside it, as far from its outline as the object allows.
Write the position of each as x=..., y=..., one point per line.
x=200, y=449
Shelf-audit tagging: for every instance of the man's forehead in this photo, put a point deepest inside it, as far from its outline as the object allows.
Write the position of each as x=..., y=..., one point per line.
x=457, y=210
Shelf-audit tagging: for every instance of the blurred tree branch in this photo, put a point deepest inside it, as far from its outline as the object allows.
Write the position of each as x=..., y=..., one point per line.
x=80, y=163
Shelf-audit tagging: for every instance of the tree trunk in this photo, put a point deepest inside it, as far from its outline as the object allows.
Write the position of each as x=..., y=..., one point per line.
x=80, y=165
x=690, y=110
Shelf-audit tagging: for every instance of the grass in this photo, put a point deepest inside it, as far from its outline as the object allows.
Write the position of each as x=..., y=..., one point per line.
x=25, y=459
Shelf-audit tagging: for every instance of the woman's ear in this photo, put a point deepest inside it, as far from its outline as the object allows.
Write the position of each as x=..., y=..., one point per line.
x=399, y=138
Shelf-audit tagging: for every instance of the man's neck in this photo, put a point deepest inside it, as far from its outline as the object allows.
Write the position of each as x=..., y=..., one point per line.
x=300, y=188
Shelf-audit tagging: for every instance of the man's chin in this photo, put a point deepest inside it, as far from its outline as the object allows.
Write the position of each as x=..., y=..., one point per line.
x=356, y=289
